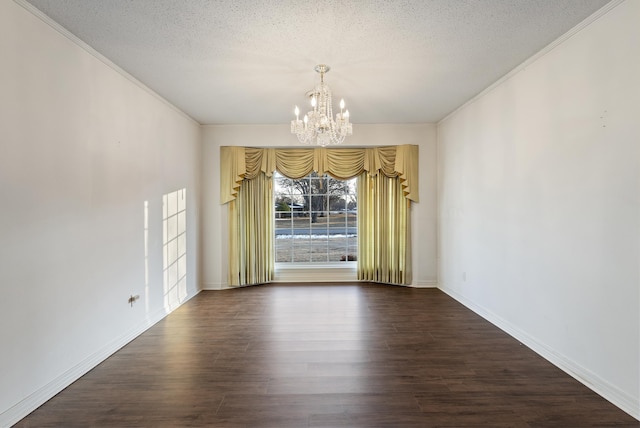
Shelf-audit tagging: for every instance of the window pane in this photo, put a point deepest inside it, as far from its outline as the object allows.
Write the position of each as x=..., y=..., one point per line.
x=319, y=252
x=301, y=251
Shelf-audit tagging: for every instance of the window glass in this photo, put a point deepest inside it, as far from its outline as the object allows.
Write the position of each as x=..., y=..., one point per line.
x=315, y=219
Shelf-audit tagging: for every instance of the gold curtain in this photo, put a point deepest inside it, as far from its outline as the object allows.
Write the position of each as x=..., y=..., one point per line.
x=251, y=246
x=384, y=250
x=239, y=163
x=251, y=258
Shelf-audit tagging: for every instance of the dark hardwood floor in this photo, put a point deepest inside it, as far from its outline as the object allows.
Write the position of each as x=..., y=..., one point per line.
x=351, y=355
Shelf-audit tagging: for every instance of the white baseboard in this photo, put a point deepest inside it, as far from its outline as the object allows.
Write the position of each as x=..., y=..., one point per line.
x=20, y=410
x=302, y=276
x=214, y=286
x=430, y=283
x=592, y=381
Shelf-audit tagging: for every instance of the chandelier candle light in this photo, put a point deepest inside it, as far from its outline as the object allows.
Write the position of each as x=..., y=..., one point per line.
x=318, y=126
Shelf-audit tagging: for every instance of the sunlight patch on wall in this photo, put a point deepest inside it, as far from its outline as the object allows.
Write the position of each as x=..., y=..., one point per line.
x=174, y=248
x=146, y=257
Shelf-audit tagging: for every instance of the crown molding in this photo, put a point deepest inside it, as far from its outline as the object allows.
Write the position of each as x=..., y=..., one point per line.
x=535, y=57
x=91, y=51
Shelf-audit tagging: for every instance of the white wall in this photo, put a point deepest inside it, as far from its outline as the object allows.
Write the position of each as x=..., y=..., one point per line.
x=539, y=198
x=214, y=219
x=82, y=148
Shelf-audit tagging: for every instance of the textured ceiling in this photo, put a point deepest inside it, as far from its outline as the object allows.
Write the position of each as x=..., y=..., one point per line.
x=250, y=61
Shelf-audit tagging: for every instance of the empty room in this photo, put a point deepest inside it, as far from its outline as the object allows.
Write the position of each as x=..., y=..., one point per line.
x=381, y=213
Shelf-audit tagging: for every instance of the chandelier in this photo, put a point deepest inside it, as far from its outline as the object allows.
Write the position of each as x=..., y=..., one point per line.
x=318, y=126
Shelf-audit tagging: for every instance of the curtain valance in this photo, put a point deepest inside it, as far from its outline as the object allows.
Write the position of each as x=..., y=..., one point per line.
x=239, y=163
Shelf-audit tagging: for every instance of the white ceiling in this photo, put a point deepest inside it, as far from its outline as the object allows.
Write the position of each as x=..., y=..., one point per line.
x=251, y=61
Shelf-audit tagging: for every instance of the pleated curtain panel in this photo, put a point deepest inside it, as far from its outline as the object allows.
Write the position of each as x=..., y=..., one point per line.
x=387, y=184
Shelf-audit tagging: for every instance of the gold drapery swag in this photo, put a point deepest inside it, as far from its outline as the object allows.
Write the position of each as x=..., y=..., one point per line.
x=239, y=163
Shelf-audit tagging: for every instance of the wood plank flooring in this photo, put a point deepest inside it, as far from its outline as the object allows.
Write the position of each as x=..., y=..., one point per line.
x=321, y=355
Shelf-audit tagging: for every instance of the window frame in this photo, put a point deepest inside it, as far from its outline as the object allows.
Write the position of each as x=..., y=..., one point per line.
x=297, y=199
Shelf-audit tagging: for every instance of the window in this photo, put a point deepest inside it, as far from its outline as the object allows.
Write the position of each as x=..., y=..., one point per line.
x=315, y=219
